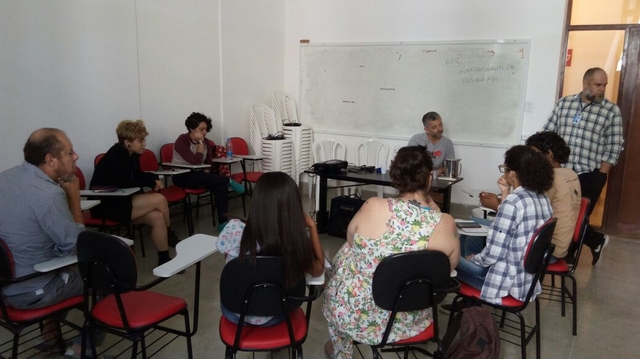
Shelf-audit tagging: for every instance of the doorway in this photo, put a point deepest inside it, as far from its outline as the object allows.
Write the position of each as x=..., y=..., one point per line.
x=614, y=48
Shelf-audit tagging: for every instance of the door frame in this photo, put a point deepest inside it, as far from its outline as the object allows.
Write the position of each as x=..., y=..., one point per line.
x=629, y=107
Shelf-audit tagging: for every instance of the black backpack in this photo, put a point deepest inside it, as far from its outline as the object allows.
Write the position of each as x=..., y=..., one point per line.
x=479, y=337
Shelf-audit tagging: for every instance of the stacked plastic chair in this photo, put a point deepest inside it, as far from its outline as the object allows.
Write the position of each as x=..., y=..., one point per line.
x=278, y=154
x=285, y=108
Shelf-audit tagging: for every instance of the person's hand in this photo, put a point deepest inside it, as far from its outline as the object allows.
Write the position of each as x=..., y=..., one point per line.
x=489, y=200
x=469, y=256
x=309, y=221
x=440, y=171
x=158, y=186
x=198, y=136
x=70, y=185
x=502, y=184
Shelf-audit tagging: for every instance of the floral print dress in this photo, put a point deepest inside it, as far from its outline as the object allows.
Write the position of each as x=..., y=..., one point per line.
x=348, y=303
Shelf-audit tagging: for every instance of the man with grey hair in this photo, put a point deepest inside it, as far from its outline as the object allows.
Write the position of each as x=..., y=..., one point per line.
x=592, y=127
x=40, y=219
x=437, y=145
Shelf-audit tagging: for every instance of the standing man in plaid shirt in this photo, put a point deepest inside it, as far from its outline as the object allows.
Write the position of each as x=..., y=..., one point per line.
x=592, y=127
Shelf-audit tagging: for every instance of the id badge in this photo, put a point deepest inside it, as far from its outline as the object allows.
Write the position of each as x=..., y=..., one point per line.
x=577, y=118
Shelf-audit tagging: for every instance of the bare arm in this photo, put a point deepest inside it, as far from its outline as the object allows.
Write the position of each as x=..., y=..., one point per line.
x=317, y=267
x=605, y=167
x=444, y=239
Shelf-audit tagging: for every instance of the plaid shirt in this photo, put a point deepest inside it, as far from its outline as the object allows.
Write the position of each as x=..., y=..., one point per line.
x=518, y=217
x=595, y=138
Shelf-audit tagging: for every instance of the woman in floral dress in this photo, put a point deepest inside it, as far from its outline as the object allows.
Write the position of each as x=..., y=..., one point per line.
x=382, y=227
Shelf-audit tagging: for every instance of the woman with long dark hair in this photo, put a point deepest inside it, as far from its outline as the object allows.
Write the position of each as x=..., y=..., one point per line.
x=276, y=226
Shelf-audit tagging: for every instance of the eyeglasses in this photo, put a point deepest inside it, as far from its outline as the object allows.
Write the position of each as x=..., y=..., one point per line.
x=503, y=168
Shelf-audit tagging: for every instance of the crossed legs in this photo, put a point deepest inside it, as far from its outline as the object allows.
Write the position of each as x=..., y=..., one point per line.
x=152, y=210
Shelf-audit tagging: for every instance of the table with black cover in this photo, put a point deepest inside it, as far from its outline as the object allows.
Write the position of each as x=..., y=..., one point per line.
x=437, y=186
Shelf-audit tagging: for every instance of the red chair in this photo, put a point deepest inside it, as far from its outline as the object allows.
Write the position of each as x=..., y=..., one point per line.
x=174, y=194
x=15, y=320
x=536, y=260
x=108, y=266
x=97, y=159
x=412, y=281
x=562, y=269
x=258, y=289
x=166, y=155
x=240, y=147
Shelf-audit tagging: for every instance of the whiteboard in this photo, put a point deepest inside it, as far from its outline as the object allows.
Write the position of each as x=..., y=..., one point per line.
x=383, y=90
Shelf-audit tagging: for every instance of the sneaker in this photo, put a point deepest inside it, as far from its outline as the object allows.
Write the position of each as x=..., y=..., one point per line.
x=172, y=238
x=597, y=252
x=236, y=187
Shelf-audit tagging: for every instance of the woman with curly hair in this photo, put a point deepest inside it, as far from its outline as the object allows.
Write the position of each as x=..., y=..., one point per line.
x=498, y=269
x=195, y=149
x=385, y=226
x=565, y=194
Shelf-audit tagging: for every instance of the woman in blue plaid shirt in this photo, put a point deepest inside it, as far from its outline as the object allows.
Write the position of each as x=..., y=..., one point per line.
x=498, y=270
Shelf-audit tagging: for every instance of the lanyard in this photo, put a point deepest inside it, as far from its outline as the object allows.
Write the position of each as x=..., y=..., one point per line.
x=578, y=116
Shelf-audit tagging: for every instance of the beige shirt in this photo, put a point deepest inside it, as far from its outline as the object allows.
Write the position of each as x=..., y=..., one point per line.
x=565, y=198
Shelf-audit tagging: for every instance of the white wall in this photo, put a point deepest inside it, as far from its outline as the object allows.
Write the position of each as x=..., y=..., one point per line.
x=66, y=64
x=83, y=66
x=252, y=59
x=417, y=20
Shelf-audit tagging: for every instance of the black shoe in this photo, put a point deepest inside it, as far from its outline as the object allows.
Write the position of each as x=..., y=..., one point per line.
x=172, y=238
x=597, y=252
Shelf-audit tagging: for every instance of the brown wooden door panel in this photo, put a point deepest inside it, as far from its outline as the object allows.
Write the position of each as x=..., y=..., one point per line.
x=622, y=210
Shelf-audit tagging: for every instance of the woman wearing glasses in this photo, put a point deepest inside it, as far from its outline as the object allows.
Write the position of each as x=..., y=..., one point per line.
x=498, y=269
x=120, y=167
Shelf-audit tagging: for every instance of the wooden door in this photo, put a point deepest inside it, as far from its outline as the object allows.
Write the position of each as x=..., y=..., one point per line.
x=622, y=208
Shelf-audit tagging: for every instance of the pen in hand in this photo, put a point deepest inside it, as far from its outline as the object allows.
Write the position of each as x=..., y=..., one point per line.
x=463, y=191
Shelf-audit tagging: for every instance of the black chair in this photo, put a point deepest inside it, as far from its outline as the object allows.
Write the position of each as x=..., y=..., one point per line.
x=561, y=268
x=16, y=320
x=412, y=281
x=108, y=268
x=536, y=260
x=258, y=289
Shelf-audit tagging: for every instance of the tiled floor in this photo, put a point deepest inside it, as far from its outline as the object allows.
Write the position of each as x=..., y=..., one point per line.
x=608, y=314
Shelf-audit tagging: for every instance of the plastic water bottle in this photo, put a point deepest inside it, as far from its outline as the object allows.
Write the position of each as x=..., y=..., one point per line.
x=229, y=149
